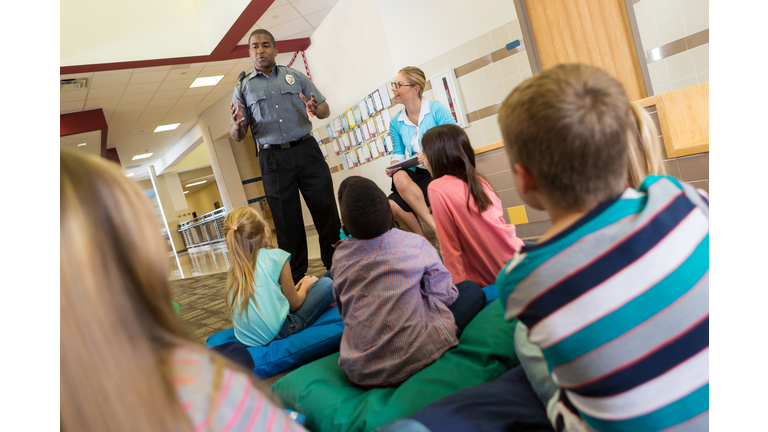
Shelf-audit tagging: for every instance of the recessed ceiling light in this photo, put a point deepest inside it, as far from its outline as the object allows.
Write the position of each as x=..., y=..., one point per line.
x=130, y=175
x=142, y=156
x=186, y=192
x=206, y=81
x=81, y=144
x=163, y=128
x=195, y=184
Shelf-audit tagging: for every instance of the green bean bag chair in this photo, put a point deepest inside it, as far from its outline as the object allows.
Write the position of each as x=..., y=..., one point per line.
x=321, y=390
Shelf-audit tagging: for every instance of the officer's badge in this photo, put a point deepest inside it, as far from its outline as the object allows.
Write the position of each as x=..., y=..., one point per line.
x=290, y=79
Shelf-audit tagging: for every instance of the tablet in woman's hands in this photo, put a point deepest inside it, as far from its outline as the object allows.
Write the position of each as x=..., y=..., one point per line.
x=408, y=163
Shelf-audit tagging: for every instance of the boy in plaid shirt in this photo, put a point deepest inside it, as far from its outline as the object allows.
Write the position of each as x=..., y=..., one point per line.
x=400, y=309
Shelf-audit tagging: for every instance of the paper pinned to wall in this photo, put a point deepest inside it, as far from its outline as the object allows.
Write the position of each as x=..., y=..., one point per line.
x=366, y=132
x=374, y=150
x=388, y=143
x=359, y=136
x=369, y=105
x=316, y=134
x=363, y=110
x=380, y=145
x=380, y=124
x=387, y=118
x=335, y=146
x=329, y=131
x=325, y=152
x=386, y=102
x=377, y=102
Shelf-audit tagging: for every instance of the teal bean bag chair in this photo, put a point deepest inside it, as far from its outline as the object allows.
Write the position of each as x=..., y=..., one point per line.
x=321, y=390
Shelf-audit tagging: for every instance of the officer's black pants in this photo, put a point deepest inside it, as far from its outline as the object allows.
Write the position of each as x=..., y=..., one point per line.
x=284, y=172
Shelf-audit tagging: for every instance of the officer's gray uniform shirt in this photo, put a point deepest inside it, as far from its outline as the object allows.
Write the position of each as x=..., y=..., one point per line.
x=279, y=115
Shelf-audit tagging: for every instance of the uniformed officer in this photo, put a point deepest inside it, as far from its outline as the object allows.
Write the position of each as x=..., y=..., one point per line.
x=275, y=101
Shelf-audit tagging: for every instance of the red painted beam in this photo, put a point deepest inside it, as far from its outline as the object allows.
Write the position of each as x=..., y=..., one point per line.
x=240, y=51
x=85, y=121
x=250, y=15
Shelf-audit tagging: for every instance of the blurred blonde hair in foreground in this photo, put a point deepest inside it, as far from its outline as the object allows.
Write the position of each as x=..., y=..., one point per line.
x=117, y=322
x=644, y=150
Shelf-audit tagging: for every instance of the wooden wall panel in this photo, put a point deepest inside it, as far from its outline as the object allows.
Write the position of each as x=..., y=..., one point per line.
x=595, y=32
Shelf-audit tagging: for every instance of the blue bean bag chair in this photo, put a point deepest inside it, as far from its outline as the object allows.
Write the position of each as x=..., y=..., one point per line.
x=319, y=340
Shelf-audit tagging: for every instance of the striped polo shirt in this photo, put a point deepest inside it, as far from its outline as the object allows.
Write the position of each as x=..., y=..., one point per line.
x=619, y=305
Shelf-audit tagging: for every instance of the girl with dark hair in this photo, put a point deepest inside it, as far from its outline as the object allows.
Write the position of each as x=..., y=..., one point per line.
x=475, y=240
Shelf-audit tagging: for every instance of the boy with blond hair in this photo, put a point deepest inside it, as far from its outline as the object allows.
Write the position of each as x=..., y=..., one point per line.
x=616, y=292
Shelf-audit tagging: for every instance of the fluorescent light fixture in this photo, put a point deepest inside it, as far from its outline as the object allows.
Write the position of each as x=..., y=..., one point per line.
x=206, y=81
x=163, y=128
x=195, y=184
x=81, y=144
x=130, y=175
x=142, y=156
x=186, y=192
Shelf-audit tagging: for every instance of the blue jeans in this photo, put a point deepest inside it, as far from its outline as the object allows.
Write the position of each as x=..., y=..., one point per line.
x=317, y=301
x=470, y=302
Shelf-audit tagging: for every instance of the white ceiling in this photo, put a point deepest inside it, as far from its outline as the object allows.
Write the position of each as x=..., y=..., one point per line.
x=136, y=101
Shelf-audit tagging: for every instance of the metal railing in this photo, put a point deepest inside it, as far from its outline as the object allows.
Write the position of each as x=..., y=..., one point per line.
x=203, y=230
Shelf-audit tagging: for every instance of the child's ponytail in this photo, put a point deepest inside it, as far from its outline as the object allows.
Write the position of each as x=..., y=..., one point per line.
x=244, y=237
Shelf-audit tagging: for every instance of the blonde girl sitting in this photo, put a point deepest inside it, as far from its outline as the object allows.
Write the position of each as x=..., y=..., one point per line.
x=264, y=302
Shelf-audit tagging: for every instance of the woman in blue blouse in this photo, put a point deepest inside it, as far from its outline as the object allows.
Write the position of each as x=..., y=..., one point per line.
x=409, y=186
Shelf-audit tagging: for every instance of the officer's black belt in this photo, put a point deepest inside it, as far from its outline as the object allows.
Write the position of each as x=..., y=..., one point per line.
x=286, y=145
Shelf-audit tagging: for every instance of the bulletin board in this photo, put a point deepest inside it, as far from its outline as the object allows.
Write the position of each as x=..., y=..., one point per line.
x=361, y=133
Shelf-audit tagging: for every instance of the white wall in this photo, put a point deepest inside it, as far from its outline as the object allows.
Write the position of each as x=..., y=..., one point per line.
x=420, y=30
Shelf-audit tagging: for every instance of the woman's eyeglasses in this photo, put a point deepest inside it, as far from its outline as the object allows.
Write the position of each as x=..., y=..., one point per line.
x=398, y=85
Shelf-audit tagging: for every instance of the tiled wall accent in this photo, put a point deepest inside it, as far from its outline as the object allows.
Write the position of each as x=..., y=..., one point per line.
x=663, y=22
x=485, y=88
x=494, y=165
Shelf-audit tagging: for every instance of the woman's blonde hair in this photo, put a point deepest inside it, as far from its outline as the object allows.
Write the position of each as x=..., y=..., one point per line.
x=117, y=320
x=645, y=154
x=415, y=77
x=245, y=230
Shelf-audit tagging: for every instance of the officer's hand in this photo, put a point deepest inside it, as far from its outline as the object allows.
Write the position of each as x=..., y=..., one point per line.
x=311, y=103
x=237, y=114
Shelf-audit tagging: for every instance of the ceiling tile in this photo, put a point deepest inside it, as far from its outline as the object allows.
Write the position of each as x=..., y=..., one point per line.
x=108, y=113
x=154, y=69
x=192, y=116
x=71, y=106
x=176, y=84
x=121, y=128
x=176, y=117
x=101, y=81
x=215, y=69
x=245, y=64
x=146, y=77
x=231, y=78
x=276, y=15
x=223, y=89
x=168, y=94
x=304, y=34
x=197, y=91
x=131, y=106
x=162, y=111
x=161, y=103
x=145, y=127
x=175, y=74
x=72, y=96
x=189, y=100
x=143, y=97
x=115, y=141
x=156, y=119
x=212, y=98
x=306, y=7
x=136, y=139
x=110, y=102
x=199, y=65
x=126, y=116
x=141, y=88
x=157, y=139
x=113, y=72
x=315, y=18
x=292, y=27
x=105, y=92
